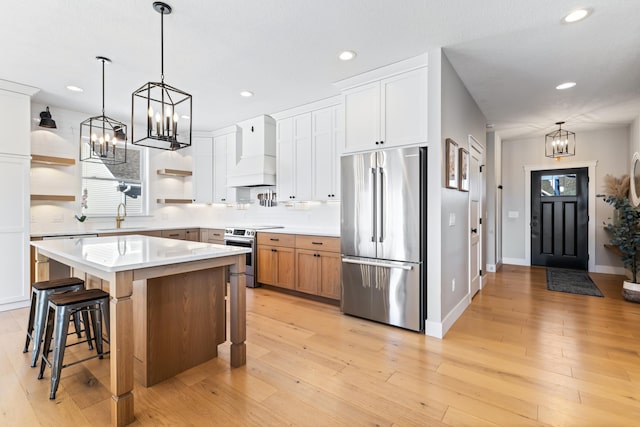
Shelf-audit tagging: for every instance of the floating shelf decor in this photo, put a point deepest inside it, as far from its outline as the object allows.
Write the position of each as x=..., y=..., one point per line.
x=53, y=198
x=50, y=160
x=174, y=172
x=169, y=201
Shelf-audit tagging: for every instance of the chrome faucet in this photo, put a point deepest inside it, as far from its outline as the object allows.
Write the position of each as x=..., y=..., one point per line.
x=119, y=218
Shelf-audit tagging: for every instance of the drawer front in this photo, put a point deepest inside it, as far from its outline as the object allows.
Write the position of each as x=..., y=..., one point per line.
x=277, y=239
x=318, y=243
x=174, y=234
x=216, y=235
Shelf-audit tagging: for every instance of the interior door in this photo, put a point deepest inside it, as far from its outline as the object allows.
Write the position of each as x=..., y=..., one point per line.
x=559, y=218
x=475, y=213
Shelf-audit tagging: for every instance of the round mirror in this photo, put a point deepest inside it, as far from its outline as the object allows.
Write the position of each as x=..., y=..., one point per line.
x=634, y=190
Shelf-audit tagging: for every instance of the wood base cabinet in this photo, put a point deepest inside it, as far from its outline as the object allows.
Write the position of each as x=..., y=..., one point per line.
x=318, y=273
x=276, y=260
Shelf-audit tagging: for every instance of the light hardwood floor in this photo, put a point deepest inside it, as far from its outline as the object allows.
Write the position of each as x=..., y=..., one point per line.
x=519, y=356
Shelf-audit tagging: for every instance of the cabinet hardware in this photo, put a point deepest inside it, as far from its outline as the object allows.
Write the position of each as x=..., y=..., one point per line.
x=377, y=142
x=316, y=243
x=274, y=250
x=274, y=240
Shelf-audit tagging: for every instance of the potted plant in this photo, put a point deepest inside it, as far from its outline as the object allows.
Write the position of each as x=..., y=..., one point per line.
x=625, y=235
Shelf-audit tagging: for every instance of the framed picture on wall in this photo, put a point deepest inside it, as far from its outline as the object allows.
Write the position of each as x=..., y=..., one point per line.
x=464, y=170
x=452, y=164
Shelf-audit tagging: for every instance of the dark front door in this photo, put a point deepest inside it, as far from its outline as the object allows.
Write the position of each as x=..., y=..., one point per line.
x=559, y=218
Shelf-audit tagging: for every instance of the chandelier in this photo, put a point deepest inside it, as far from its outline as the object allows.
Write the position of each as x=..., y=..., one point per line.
x=163, y=111
x=560, y=143
x=103, y=139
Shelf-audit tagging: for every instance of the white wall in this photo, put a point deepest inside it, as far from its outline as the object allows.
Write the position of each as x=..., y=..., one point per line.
x=494, y=199
x=460, y=117
x=59, y=216
x=609, y=148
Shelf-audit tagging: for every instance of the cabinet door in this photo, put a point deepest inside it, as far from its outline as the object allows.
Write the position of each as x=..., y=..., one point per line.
x=266, y=265
x=202, y=170
x=308, y=272
x=286, y=267
x=362, y=117
x=286, y=160
x=303, y=153
x=192, y=235
x=220, y=169
x=404, y=108
x=330, y=276
x=326, y=134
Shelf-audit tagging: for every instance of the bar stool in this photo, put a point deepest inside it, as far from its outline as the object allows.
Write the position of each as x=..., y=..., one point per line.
x=61, y=306
x=40, y=293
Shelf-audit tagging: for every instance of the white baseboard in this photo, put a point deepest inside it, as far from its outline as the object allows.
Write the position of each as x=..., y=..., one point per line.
x=516, y=261
x=439, y=329
x=607, y=269
x=14, y=305
x=491, y=268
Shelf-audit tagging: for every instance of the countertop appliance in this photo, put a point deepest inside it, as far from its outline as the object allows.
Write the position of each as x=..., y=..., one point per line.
x=383, y=236
x=245, y=236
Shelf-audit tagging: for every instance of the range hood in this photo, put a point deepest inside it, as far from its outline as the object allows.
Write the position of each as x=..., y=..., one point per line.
x=257, y=164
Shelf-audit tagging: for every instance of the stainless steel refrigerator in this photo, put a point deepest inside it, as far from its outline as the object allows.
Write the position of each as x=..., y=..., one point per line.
x=383, y=236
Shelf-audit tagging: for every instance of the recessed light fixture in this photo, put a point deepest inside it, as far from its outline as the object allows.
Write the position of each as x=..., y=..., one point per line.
x=566, y=85
x=347, y=55
x=576, y=15
x=184, y=116
x=73, y=88
x=246, y=94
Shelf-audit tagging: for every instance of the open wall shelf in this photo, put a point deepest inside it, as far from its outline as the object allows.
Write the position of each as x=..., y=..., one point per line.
x=174, y=172
x=53, y=198
x=50, y=160
x=170, y=201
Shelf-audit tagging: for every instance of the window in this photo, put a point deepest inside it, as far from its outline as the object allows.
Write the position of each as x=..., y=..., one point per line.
x=109, y=185
x=558, y=185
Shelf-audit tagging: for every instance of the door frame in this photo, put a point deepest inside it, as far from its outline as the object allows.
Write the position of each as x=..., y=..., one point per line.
x=475, y=145
x=591, y=166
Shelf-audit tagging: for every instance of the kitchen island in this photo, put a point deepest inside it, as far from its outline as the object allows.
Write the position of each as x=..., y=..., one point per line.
x=143, y=274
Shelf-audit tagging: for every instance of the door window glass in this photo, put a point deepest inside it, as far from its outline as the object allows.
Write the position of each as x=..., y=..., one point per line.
x=558, y=185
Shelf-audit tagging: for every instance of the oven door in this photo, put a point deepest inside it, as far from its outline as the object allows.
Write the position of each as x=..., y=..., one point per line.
x=244, y=243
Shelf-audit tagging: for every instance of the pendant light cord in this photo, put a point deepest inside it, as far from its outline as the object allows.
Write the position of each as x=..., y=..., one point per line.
x=162, y=44
x=102, y=87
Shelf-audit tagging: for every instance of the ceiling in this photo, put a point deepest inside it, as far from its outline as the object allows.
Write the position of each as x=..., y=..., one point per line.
x=510, y=54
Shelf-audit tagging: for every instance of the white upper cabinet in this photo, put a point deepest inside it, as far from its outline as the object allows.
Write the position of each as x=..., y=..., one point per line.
x=294, y=175
x=220, y=162
x=202, y=151
x=327, y=132
x=389, y=112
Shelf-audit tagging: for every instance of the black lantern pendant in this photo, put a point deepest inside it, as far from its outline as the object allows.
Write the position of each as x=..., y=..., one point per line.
x=560, y=143
x=163, y=112
x=46, y=121
x=103, y=139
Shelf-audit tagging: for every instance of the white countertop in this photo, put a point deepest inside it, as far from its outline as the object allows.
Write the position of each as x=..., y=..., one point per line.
x=120, y=253
x=124, y=229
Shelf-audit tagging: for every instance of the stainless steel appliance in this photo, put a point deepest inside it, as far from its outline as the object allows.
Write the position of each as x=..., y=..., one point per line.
x=245, y=236
x=383, y=235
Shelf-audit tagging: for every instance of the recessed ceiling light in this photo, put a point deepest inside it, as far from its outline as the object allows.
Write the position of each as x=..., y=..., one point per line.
x=566, y=85
x=246, y=93
x=185, y=117
x=347, y=55
x=576, y=15
x=75, y=88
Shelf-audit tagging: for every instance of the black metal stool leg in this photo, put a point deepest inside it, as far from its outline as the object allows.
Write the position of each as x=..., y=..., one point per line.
x=61, y=329
x=39, y=324
x=87, y=328
x=46, y=345
x=32, y=312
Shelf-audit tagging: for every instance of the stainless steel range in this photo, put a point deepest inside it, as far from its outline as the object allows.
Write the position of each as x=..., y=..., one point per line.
x=245, y=236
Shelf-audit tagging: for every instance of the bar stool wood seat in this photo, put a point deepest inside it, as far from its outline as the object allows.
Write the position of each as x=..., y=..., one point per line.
x=40, y=293
x=61, y=307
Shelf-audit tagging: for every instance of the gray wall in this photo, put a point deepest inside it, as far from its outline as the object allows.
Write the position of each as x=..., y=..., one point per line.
x=493, y=218
x=609, y=147
x=461, y=117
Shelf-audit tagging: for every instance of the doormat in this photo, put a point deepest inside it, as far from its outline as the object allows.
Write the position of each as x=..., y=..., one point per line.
x=571, y=281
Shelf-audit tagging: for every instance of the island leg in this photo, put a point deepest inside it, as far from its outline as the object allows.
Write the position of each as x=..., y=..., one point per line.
x=121, y=349
x=238, y=315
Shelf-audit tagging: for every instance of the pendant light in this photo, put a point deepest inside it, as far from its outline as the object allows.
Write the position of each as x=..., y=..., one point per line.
x=46, y=121
x=560, y=143
x=103, y=139
x=162, y=111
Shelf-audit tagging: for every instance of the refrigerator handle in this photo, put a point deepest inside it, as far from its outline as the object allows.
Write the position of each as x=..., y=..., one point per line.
x=377, y=264
x=374, y=202
x=382, y=185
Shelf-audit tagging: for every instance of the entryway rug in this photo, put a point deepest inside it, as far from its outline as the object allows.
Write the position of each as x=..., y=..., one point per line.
x=571, y=281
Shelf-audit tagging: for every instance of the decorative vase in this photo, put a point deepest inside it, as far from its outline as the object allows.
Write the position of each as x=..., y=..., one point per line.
x=631, y=291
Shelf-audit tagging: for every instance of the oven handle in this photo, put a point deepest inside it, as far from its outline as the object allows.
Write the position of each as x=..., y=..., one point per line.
x=236, y=240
